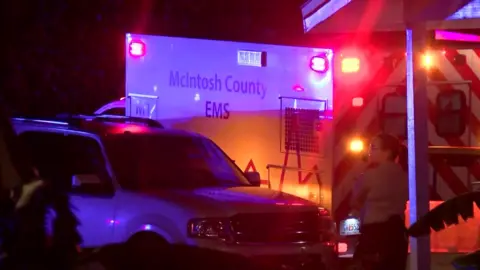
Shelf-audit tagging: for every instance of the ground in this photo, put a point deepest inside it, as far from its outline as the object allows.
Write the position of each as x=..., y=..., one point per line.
x=442, y=261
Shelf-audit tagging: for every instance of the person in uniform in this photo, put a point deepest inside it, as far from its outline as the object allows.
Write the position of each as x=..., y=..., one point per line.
x=379, y=200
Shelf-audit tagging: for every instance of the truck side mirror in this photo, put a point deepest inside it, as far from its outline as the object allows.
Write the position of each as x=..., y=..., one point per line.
x=253, y=178
x=80, y=180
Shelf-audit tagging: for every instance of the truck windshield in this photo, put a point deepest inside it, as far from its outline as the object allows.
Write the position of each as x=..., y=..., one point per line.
x=144, y=162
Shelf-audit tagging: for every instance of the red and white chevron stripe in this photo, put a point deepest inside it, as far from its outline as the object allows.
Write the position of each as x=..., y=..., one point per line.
x=450, y=180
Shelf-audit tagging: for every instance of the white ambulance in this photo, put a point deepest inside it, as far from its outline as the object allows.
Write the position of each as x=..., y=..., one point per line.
x=269, y=107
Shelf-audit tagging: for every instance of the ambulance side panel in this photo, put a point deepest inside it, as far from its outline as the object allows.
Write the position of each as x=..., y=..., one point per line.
x=212, y=88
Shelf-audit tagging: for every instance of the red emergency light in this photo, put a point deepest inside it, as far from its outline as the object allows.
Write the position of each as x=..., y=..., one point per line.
x=137, y=48
x=357, y=102
x=350, y=65
x=319, y=63
x=323, y=212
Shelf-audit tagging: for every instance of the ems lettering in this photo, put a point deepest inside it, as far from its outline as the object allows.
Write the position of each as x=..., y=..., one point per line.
x=217, y=110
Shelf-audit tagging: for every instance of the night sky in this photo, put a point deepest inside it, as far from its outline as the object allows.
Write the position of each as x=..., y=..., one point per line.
x=68, y=55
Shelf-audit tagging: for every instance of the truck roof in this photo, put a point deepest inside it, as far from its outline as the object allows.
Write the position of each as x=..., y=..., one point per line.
x=103, y=124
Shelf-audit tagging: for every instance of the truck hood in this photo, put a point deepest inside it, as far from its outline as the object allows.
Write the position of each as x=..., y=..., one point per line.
x=234, y=200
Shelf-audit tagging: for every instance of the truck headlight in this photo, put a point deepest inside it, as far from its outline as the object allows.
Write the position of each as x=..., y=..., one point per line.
x=208, y=228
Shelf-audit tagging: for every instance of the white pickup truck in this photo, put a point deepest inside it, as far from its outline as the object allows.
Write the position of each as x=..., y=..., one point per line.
x=132, y=180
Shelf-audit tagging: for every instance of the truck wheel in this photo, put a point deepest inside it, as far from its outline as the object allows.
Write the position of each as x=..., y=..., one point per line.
x=145, y=246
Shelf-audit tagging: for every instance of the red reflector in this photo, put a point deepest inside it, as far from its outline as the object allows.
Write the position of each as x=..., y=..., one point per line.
x=342, y=247
x=323, y=211
x=357, y=102
x=137, y=48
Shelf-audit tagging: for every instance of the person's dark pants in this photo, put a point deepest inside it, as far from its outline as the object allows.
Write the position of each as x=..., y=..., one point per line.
x=385, y=243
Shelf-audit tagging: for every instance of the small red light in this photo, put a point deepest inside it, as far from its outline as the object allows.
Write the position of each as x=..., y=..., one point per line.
x=298, y=88
x=137, y=48
x=323, y=212
x=342, y=247
x=319, y=63
x=357, y=102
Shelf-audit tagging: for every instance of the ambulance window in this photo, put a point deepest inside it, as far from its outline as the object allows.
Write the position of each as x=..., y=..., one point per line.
x=450, y=101
x=115, y=111
x=450, y=117
x=395, y=126
x=395, y=104
x=393, y=114
x=302, y=128
x=449, y=124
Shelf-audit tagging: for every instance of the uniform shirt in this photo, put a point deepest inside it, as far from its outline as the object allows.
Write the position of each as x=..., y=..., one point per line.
x=382, y=192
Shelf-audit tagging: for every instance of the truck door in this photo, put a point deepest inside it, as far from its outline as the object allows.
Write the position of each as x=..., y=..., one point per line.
x=143, y=106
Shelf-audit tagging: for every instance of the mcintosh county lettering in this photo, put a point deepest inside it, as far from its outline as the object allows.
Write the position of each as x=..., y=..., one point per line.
x=217, y=83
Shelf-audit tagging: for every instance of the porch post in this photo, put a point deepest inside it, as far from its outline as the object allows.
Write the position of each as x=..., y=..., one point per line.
x=417, y=130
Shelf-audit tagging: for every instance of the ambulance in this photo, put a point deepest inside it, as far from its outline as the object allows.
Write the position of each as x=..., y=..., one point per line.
x=268, y=107
x=303, y=116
